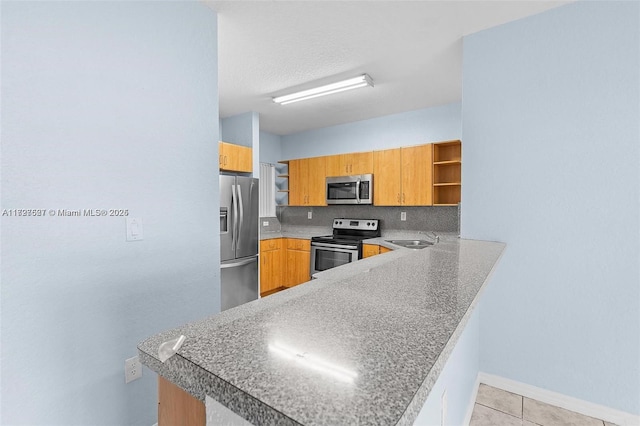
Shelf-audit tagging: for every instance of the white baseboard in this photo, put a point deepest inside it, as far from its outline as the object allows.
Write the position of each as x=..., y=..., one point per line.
x=611, y=415
x=472, y=401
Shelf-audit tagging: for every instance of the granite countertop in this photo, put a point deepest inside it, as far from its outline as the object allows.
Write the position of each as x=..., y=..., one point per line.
x=364, y=345
x=303, y=232
x=306, y=232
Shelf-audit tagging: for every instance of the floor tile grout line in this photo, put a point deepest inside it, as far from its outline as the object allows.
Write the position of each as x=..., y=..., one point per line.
x=499, y=411
x=522, y=407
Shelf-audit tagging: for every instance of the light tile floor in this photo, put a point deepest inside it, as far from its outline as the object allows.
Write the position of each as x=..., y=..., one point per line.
x=496, y=407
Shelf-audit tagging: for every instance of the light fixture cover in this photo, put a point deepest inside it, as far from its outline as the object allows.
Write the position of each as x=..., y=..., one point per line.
x=340, y=86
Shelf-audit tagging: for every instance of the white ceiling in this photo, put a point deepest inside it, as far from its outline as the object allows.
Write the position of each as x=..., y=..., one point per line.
x=411, y=49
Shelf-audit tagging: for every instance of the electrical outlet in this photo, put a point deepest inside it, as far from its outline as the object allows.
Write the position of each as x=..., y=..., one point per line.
x=134, y=229
x=309, y=215
x=403, y=215
x=443, y=421
x=132, y=369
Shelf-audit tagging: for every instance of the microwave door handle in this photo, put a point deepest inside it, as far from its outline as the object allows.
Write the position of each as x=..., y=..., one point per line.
x=241, y=209
x=358, y=191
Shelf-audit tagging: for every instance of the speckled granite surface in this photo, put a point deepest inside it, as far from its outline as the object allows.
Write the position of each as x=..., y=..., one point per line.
x=364, y=346
x=304, y=232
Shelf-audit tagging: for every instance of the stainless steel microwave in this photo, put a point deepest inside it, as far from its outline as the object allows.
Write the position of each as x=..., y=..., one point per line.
x=357, y=189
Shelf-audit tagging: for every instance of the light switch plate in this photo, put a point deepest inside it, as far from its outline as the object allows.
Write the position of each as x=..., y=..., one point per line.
x=403, y=215
x=134, y=229
x=309, y=215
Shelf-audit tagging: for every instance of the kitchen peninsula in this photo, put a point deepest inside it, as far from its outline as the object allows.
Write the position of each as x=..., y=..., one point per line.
x=362, y=344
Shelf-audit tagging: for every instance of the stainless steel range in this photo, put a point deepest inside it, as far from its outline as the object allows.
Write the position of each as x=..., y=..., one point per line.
x=344, y=245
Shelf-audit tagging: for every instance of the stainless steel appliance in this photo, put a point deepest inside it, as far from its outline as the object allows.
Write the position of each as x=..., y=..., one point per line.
x=238, y=240
x=357, y=189
x=344, y=245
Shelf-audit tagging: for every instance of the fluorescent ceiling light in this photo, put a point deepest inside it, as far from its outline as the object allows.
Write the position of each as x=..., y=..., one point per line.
x=340, y=86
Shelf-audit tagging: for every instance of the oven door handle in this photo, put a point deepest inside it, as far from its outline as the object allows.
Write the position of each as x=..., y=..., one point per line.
x=337, y=246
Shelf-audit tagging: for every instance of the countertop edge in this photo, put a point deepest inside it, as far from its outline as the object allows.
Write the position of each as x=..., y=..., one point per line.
x=413, y=409
x=200, y=382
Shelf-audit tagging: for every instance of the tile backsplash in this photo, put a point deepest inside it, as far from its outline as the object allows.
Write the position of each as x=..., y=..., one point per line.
x=432, y=218
x=270, y=224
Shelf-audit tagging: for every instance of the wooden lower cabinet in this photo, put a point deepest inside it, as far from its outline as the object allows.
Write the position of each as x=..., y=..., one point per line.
x=369, y=250
x=284, y=262
x=177, y=407
x=298, y=261
x=271, y=265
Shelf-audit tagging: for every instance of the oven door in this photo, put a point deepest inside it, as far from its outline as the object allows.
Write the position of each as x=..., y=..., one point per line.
x=326, y=256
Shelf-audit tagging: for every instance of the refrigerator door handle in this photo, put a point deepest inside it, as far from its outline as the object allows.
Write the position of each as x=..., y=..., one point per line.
x=241, y=208
x=240, y=263
x=234, y=235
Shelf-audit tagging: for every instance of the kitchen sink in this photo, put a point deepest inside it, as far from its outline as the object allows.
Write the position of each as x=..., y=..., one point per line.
x=412, y=244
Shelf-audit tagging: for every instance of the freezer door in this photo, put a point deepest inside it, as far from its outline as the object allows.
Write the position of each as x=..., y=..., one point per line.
x=239, y=282
x=227, y=217
x=247, y=192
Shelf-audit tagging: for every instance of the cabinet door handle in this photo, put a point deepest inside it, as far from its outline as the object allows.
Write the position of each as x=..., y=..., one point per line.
x=225, y=160
x=403, y=198
x=398, y=197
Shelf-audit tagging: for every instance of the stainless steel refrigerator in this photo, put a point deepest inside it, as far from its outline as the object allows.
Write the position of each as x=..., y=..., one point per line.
x=238, y=240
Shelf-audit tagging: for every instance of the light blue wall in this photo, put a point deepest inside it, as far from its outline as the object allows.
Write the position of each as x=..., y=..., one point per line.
x=243, y=129
x=458, y=378
x=270, y=148
x=551, y=167
x=390, y=131
x=238, y=129
x=104, y=105
x=271, y=152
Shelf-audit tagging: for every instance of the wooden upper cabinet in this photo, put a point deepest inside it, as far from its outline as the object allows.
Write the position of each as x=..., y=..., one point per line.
x=307, y=181
x=387, y=177
x=403, y=176
x=317, y=195
x=358, y=163
x=333, y=166
x=297, y=183
x=417, y=175
x=235, y=158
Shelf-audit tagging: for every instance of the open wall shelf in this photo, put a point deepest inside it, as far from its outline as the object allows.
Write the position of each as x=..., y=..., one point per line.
x=447, y=173
x=282, y=182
